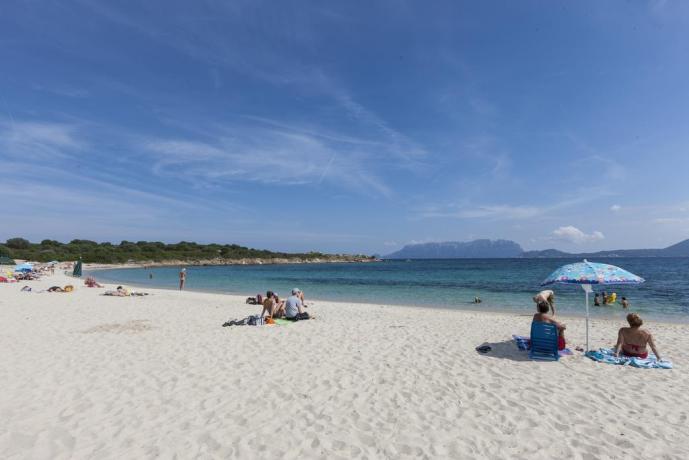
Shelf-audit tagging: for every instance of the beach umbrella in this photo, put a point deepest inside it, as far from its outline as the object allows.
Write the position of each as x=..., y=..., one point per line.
x=77, y=269
x=587, y=274
x=25, y=267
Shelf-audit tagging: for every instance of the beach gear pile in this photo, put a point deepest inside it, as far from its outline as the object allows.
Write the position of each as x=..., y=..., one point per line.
x=256, y=320
x=607, y=356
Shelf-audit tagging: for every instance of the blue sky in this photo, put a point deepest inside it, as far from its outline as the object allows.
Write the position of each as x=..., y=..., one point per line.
x=346, y=126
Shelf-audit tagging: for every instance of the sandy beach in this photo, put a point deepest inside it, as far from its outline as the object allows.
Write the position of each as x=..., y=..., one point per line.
x=88, y=376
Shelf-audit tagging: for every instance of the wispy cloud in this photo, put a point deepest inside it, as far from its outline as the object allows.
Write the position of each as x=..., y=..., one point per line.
x=268, y=155
x=500, y=211
x=490, y=212
x=39, y=140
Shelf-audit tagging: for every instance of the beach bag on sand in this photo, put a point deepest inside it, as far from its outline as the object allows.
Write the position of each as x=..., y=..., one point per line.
x=255, y=320
x=302, y=316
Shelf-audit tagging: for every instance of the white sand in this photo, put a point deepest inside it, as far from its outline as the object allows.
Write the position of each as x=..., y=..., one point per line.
x=86, y=376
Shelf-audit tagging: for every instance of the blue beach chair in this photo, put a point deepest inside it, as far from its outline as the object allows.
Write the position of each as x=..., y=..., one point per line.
x=544, y=342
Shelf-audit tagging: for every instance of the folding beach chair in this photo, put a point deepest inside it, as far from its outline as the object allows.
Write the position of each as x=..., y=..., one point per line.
x=544, y=342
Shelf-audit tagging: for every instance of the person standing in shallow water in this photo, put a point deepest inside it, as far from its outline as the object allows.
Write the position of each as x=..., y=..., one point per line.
x=182, y=278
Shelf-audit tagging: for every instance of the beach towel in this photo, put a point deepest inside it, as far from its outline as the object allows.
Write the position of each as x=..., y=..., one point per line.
x=606, y=355
x=282, y=321
x=524, y=343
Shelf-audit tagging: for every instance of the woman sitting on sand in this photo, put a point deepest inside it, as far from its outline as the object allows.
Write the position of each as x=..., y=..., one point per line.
x=268, y=304
x=633, y=340
x=543, y=317
x=279, y=307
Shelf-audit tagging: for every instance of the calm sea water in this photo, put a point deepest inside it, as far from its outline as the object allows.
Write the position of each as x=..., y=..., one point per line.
x=502, y=284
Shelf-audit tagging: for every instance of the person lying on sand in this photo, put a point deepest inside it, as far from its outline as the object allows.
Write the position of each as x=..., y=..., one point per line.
x=119, y=292
x=632, y=340
x=543, y=317
x=547, y=296
x=68, y=288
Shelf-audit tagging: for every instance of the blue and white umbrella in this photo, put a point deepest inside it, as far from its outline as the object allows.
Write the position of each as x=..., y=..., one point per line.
x=587, y=273
x=25, y=267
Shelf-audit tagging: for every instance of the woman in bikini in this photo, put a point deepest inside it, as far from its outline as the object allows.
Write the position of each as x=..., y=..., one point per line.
x=632, y=340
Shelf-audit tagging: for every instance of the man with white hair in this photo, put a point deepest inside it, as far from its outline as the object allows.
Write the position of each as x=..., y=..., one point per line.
x=293, y=305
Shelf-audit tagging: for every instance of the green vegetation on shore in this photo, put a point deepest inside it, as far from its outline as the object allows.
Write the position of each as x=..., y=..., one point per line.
x=145, y=251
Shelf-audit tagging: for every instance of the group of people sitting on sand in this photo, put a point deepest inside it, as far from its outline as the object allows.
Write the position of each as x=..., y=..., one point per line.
x=632, y=341
x=290, y=308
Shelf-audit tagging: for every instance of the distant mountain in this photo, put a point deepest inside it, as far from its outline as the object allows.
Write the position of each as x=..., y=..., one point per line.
x=680, y=249
x=488, y=249
x=479, y=249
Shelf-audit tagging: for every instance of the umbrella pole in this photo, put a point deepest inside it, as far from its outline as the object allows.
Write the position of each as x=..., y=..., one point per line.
x=587, y=320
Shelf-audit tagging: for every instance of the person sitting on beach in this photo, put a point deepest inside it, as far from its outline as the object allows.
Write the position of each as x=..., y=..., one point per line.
x=632, y=340
x=546, y=296
x=91, y=282
x=293, y=305
x=543, y=317
x=268, y=304
x=300, y=294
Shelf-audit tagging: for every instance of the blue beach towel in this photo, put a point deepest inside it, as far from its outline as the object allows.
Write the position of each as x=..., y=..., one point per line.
x=524, y=343
x=605, y=355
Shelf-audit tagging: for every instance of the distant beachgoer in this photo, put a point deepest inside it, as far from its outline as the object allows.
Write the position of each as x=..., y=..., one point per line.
x=596, y=300
x=625, y=303
x=632, y=341
x=612, y=298
x=293, y=305
x=542, y=317
x=546, y=296
x=182, y=278
x=55, y=289
x=477, y=299
x=91, y=282
x=150, y=276
x=604, y=295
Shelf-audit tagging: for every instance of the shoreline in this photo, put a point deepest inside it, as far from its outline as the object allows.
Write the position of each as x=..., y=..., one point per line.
x=655, y=318
x=223, y=262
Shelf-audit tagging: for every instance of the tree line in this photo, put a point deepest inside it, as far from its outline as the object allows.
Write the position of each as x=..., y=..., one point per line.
x=141, y=251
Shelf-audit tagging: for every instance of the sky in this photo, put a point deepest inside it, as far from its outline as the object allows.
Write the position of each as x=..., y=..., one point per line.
x=353, y=127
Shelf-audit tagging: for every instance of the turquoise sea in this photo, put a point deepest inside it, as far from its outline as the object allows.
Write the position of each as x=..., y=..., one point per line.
x=502, y=284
